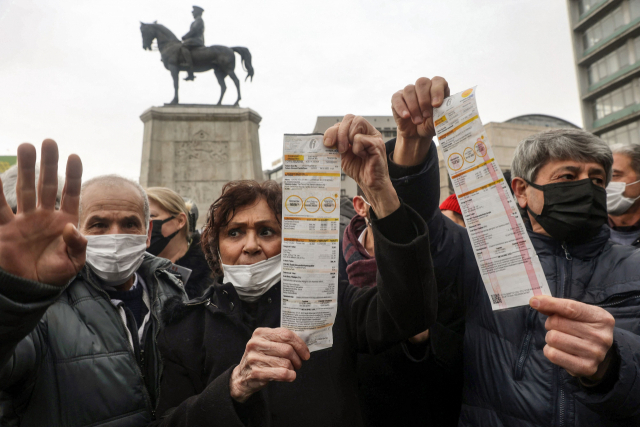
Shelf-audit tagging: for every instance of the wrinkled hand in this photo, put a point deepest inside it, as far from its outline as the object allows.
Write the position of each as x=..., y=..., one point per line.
x=364, y=158
x=38, y=242
x=270, y=355
x=579, y=335
x=412, y=110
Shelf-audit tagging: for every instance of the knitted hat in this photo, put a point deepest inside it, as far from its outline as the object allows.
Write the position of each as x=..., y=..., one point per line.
x=451, y=204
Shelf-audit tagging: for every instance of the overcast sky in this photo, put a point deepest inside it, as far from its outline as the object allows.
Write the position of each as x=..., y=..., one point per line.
x=75, y=70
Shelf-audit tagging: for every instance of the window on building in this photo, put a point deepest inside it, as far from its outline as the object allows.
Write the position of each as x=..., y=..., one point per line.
x=627, y=134
x=343, y=176
x=634, y=9
x=615, y=101
x=604, y=27
x=587, y=5
x=343, y=192
x=610, y=64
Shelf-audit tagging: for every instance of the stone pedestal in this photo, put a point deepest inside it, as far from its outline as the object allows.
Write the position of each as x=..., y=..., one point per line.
x=196, y=149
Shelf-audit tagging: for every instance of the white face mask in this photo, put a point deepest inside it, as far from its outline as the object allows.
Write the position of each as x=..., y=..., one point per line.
x=617, y=204
x=115, y=257
x=252, y=281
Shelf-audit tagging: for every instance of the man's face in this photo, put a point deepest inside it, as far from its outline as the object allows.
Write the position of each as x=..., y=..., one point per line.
x=113, y=210
x=623, y=172
x=553, y=172
x=252, y=235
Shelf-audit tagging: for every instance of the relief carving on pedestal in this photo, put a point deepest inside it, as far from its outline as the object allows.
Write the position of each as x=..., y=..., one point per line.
x=200, y=159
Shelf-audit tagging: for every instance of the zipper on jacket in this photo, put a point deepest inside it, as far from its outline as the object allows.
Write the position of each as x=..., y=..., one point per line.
x=526, y=344
x=131, y=349
x=614, y=303
x=564, y=291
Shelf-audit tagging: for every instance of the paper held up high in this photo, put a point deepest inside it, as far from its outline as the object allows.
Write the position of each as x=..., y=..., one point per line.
x=310, y=239
x=508, y=263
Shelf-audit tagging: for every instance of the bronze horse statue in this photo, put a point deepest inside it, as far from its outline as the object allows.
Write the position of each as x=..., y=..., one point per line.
x=220, y=59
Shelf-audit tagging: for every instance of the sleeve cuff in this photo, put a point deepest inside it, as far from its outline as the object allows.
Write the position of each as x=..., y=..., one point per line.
x=25, y=291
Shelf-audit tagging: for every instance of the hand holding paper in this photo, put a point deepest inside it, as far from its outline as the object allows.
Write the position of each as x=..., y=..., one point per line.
x=579, y=335
x=364, y=158
x=271, y=355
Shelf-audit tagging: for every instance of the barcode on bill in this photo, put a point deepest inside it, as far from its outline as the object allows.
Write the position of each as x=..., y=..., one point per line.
x=496, y=298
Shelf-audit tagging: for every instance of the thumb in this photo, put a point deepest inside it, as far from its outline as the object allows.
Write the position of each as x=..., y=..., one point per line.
x=76, y=245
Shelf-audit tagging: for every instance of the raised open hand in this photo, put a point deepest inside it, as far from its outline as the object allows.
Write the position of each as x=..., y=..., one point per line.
x=364, y=158
x=38, y=242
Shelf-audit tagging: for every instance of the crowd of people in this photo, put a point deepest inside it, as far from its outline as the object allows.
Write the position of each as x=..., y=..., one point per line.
x=116, y=311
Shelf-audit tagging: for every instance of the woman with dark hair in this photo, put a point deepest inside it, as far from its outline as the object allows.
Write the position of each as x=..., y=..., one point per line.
x=226, y=360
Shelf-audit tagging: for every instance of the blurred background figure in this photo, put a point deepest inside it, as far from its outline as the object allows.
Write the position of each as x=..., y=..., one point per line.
x=451, y=209
x=10, y=179
x=174, y=237
x=623, y=195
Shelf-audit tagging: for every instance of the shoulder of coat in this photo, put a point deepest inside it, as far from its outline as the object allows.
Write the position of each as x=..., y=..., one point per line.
x=176, y=309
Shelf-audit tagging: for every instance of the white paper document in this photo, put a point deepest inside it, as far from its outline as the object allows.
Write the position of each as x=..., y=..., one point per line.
x=508, y=263
x=310, y=238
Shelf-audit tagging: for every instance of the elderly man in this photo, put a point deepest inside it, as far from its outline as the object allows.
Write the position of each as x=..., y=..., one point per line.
x=567, y=360
x=623, y=195
x=78, y=342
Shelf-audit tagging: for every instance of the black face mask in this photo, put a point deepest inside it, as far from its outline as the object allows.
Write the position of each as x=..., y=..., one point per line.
x=158, y=241
x=573, y=212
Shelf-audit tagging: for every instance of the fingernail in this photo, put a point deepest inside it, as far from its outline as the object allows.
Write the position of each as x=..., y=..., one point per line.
x=327, y=142
x=435, y=101
x=417, y=120
x=405, y=114
x=534, y=302
x=425, y=114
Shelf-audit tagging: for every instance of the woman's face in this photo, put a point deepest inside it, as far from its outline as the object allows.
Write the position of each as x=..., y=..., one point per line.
x=252, y=235
x=156, y=211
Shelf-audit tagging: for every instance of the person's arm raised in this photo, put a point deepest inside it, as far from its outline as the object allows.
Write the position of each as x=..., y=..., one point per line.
x=40, y=252
x=40, y=243
x=412, y=110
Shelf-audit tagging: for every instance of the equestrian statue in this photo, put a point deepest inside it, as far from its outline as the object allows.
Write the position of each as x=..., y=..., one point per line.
x=191, y=54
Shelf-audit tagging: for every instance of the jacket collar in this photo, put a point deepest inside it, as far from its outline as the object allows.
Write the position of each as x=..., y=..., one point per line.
x=545, y=245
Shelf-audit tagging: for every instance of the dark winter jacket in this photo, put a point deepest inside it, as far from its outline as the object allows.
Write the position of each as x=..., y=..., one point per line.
x=201, y=276
x=394, y=383
x=205, y=339
x=508, y=380
x=65, y=355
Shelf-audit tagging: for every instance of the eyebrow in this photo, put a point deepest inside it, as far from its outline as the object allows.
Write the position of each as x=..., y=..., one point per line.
x=257, y=223
x=596, y=171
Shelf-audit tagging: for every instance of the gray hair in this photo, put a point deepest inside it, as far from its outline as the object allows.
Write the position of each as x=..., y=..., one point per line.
x=632, y=151
x=534, y=152
x=10, y=180
x=117, y=181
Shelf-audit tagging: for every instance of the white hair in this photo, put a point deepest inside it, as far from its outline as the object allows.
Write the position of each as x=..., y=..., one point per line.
x=534, y=152
x=632, y=151
x=10, y=180
x=117, y=181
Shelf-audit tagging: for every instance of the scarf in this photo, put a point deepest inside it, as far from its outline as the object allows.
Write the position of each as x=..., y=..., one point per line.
x=361, y=267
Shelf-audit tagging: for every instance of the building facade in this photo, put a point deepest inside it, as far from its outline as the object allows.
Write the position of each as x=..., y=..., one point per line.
x=606, y=46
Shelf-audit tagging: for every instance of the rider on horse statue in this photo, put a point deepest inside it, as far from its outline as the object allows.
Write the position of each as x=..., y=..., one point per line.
x=193, y=39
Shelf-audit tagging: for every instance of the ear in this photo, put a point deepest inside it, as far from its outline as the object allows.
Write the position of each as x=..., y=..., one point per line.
x=360, y=206
x=519, y=187
x=182, y=220
x=150, y=229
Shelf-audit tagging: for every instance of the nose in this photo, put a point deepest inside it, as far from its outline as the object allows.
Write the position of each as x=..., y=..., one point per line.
x=251, y=245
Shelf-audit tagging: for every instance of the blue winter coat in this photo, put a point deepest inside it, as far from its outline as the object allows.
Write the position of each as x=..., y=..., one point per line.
x=508, y=380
